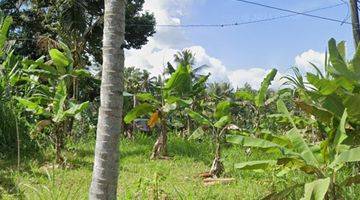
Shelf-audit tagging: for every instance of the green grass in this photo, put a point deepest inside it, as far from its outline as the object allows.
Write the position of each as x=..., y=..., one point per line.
x=141, y=178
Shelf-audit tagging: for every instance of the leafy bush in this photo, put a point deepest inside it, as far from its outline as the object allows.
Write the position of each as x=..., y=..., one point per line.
x=322, y=160
x=327, y=94
x=10, y=126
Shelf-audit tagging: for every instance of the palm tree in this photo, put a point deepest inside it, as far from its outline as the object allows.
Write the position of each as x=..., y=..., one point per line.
x=220, y=90
x=106, y=164
x=185, y=58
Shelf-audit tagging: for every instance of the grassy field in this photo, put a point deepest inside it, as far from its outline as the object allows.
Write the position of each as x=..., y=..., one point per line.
x=141, y=178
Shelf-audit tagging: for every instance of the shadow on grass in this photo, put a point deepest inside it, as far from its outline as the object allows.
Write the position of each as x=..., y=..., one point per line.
x=199, y=151
x=26, y=165
x=10, y=186
x=134, y=152
x=178, y=147
x=83, y=156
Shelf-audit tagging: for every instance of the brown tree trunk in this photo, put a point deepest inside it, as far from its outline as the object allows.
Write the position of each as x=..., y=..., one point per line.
x=69, y=126
x=355, y=22
x=188, y=126
x=217, y=167
x=160, y=146
x=58, y=144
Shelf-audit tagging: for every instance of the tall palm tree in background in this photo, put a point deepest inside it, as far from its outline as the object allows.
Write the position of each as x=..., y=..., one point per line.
x=186, y=58
x=105, y=172
x=220, y=90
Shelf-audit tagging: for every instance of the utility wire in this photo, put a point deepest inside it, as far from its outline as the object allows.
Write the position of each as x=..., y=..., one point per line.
x=348, y=11
x=294, y=12
x=245, y=22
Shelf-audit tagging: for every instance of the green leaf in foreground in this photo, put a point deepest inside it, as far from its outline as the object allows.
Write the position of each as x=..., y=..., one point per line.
x=31, y=106
x=352, y=155
x=316, y=190
x=138, y=111
x=340, y=135
x=282, y=109
x=250, y=142
x=76, y=108
x=198, y=133
x=146, y=97
x=222, y=109
x=300, y=146
x=59, y=59
x=255, y=165
x=199, y=118
x=222, y=122
x=338, y=62
x=260, y=98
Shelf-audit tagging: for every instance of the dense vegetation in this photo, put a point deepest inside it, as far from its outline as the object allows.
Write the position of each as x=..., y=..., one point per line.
x=204, y=140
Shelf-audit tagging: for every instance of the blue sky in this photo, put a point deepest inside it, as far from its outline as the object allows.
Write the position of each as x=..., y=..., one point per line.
x=267, y=44
x=243, y=53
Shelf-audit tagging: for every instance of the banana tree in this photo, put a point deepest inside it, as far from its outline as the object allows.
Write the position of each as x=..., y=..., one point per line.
x=198, y=87
x=256, y=102
x=218, y=124
x=53, y=111
x=327, y=93
x=47, y=94
x=322, y=160
x=198, y=96
x=60, y=67
x=8, y=66
x=177, y=87
x=5, y=23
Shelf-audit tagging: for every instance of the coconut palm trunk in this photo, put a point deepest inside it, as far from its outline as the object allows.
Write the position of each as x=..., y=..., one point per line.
x=106, y=164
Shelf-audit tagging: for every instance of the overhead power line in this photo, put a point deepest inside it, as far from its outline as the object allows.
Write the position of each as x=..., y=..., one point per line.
x=348, y=11
x=244, y=22
x=294, y=12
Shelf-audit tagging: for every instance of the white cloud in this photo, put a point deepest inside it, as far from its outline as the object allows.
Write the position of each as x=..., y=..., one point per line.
x=253, y=76
x=167, y=41
x=151, y=59
x=168, y=12
x=216, y=68
x=303, y=60
x=238, y=77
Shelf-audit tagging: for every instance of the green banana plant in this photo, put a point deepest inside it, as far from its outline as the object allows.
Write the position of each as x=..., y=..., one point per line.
x=7, y=72
x=217, y=124
x=322, y=160
x=5, y=23
x=176, y=89
x=10, y=86
x=47, y=94
x=326, y=94
x=59, y=67
x=257, y=101
x=53, y=113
